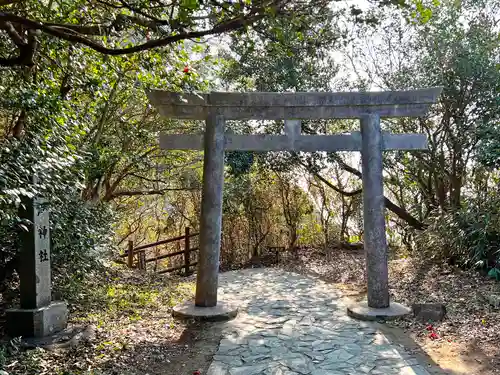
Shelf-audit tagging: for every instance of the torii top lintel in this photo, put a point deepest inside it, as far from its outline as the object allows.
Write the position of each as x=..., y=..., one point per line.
x=294, y=105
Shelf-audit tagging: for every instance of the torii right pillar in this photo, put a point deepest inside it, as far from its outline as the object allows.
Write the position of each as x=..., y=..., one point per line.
x=375, y=242
x=378, y=305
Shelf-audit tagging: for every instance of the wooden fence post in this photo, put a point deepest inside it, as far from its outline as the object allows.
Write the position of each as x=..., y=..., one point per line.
x=186, y=251
x=130, y=259
x=142, y=260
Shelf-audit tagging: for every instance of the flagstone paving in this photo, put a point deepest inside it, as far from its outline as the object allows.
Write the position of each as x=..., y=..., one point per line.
x=290, y=324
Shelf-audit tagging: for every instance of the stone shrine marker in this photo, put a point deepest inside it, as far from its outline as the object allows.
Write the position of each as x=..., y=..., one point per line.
x=37, y=316
x=217, y=107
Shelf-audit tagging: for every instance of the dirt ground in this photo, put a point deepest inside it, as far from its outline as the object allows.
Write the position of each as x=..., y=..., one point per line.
x=133, y=331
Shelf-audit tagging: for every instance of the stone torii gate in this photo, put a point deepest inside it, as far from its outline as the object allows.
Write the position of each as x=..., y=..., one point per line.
x=369, y=107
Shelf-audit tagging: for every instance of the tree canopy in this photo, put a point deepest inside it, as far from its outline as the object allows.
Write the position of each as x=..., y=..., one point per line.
x=119, y=27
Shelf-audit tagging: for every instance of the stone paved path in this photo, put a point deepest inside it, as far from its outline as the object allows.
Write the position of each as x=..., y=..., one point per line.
x=290, y=324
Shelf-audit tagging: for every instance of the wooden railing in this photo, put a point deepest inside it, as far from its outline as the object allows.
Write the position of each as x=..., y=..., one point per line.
x=140, y=252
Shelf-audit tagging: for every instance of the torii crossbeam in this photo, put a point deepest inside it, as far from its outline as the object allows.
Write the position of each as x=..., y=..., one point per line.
x=217, y=107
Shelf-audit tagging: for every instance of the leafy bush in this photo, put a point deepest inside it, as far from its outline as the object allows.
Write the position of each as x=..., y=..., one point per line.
x=81, y=233
x=470, y=236
x=489, y=146
x=47, y=151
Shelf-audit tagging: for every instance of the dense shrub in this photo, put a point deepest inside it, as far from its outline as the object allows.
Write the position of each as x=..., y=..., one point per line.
x=45, y=162
x=81, y=233
x=469, y=236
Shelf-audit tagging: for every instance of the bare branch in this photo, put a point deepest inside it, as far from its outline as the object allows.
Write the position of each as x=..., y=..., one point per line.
x=11, y=31
x=8, y=2
x=26, y=50
x=133, y=193
x=82, y=29
x=153, y=180
x=338, y=190
x=141, y=12
x=391, y=206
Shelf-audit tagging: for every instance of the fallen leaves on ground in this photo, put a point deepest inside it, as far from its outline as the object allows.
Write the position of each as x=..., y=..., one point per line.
x=471, y=323
x=134, y=330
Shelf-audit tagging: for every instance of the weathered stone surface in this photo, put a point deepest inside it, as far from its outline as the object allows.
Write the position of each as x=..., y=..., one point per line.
x=211, y=212
x=364, y=369
x=298, y=364
x=339, y=355
x=274, y=370
x=218, y=368
x=334, y=345
x=362, y=311
x=303, y=105
x=188, y=310
x=67, y=338
x=39, y=322
x=429, y=311
x=494, y=300
x=326, y=372
x=305, y=143
x=247, y=370
x=229, y=360
x=373, y=213
x=326, y=345
x=34, y=272
x=38, y=315
x=217, y=107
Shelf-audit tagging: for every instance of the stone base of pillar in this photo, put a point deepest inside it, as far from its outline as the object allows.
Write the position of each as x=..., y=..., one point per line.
x=362, y=311
x=188, y=310
x=40, y=322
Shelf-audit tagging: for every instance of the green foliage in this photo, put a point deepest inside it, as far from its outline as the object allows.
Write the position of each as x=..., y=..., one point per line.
x=494, y=273
x=282, y=55
x=470, y=236
x=294, y=59
x=454, y=185
x=421, y=11
x=3, y=356
x=79, y=121
x=30, y=361
x=489, y=145
x=45, y=152
x=82, y=234
x=239, y=162
x=42, y=163
x=131, y=27
x=114, y=296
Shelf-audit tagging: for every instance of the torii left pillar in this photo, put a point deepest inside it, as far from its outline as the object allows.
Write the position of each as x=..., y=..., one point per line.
x=206, y=306
x=211, y=212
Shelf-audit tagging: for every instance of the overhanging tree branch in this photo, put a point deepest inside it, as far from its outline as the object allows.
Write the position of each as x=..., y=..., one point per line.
x=391, y=206
x=131, y=18
x=338, y=190
x=13, y=34
x=26, y=49
x=8, y=2
x=133, y=193
x=136, y=21
x=67, y=33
